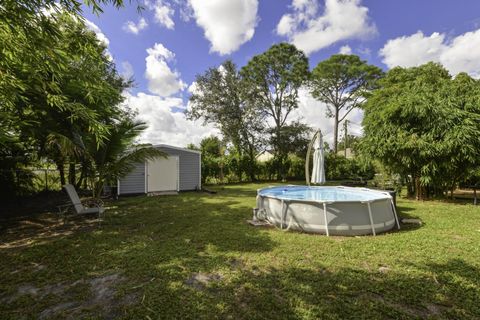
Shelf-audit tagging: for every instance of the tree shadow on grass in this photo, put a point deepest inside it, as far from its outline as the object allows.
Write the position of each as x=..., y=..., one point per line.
x=166, y=238
x=40, y=228
x=403, y=210
x=192, y=222
x=306, y=293
x=403, y=213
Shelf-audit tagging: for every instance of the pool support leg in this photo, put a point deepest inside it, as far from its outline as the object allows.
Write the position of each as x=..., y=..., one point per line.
x=284, y=213
x=326, y=220
x=395, y=214
x=371, y=218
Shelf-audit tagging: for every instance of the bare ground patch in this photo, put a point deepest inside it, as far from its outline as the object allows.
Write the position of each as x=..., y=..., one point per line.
x=201, y=280
x=40, y=229
x=101, y=298
x=430, y=310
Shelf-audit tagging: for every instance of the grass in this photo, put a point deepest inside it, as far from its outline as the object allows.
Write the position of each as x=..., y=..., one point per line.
x=192, y=256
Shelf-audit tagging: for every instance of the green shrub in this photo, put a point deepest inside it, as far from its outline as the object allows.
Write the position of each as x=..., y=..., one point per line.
x=340, y=168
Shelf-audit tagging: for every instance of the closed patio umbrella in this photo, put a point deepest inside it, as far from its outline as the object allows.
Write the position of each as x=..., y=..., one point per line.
x=318, y=172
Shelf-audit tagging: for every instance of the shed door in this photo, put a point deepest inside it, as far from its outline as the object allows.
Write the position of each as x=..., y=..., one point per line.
x=162, y=174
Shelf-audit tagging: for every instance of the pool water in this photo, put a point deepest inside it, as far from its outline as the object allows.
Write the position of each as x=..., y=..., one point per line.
x=322, y=194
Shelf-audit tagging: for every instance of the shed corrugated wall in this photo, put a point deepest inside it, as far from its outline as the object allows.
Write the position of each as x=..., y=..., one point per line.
x=190, y=178
x=134, y=182
x=189, y=167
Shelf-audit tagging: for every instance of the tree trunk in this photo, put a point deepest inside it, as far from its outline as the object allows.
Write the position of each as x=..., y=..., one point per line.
x=283, y=167
x=80, y=180
x=251, y=163
x=452, y=187
x=410, y=182
x=251, y=173
x=279, y=152
x=221, y=173
x=418, y=189
x=83, y=175
x=240, y=167
x=413, y=182
x=251, y=168
x=61, y=172
x=71, y=173
x=335, y=132
x=345, y=138
x=97, y=189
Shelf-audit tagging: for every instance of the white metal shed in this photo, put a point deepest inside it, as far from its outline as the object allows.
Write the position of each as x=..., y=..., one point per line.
x=180, y=171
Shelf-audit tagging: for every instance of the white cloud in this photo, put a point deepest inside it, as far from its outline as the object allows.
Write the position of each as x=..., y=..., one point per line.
x=186, y=13
x=413, y=50
x=162, y=80
x=345, y=50
x=341, y=20
x=459, y=54
x=135, y=28
x=365, y=51
x=286, y=25
x=308, y=6
x=165, y=125
x=313, y=113
x=126, y=70
x=102, y=38
x=169, y=126
x=226, y=24
x=192, y=88
x=100, y=35
x=463, y=54
x=163, y=13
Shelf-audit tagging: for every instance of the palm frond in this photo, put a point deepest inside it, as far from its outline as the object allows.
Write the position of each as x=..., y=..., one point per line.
x=66, y=145
x=127, y=161
x=117, y=155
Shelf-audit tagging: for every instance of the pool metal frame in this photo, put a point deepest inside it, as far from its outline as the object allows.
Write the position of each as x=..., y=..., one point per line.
x=285, y=203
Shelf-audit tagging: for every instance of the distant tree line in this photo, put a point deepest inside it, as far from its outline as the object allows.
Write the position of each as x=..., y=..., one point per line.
x=253, y=106
x=420, y=123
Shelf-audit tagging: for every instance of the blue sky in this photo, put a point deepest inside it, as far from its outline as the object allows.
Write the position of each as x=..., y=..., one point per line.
x=170, y=41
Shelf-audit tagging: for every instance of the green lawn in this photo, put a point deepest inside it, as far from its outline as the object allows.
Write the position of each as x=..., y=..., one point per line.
x=193, y=256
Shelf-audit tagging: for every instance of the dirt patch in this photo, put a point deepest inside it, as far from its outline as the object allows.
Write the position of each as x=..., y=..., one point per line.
x=103, y=288
x=436, y=309
x=201, y=280
x=52, y=311
x=429, y=310
x=237, y=264
x=27, y=289
x=256, y=271
x=101, y=299
x=383, y=269
x=39, y=229
x=129, y=299
x=38, y=293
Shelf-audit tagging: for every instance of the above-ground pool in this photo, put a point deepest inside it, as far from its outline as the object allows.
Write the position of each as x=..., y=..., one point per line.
x=342, y=211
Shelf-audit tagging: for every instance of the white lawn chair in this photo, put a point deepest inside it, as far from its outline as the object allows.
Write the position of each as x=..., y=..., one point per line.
x=78, y=206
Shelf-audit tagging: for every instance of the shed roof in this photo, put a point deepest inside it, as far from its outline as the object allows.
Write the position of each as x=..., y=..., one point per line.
x=177, y=148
